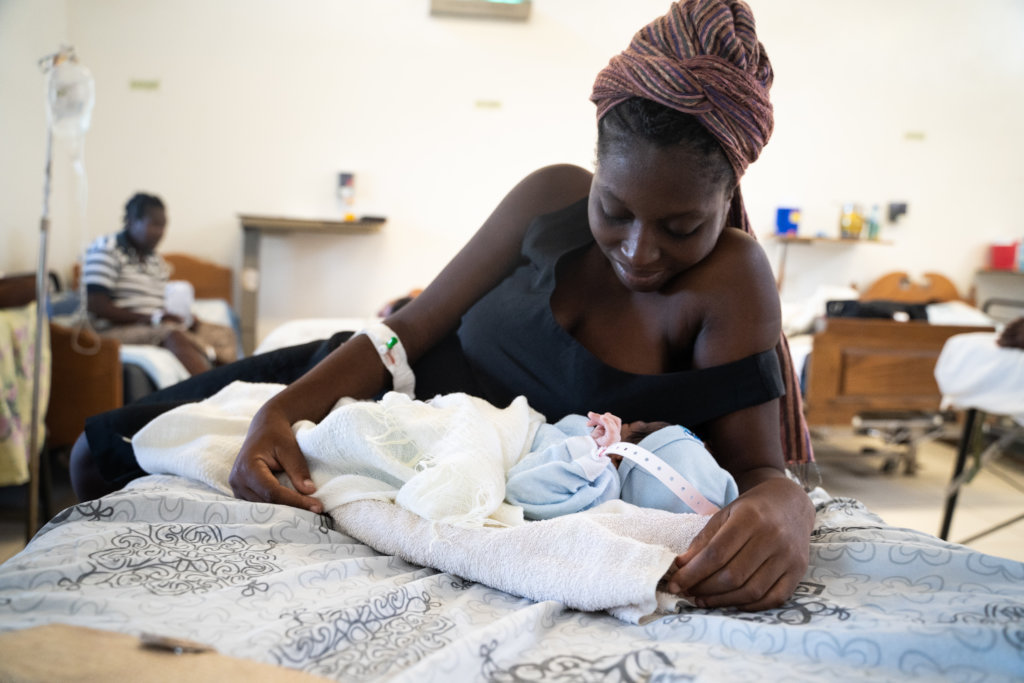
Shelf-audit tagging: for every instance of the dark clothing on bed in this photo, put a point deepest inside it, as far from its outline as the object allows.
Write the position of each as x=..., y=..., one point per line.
x=508, y=344
x=109, y=433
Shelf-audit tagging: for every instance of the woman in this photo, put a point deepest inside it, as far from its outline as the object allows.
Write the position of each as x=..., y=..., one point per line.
x=125, y=280
x=620, y=291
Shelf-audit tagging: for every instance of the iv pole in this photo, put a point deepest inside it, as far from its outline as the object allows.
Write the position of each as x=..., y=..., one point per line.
x=69, y=105
x=41, y=294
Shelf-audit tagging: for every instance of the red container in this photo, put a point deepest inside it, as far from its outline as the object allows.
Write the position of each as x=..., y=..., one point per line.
x=1003, y=257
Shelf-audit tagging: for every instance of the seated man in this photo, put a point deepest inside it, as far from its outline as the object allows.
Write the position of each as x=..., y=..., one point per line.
x=125, y=281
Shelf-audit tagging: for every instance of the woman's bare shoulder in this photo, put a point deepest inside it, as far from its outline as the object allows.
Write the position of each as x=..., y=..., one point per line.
x=735, y=244
x=741, y=303
x=544, y=191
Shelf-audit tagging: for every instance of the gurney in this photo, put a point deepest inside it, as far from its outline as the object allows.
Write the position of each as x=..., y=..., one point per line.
x=986, y=380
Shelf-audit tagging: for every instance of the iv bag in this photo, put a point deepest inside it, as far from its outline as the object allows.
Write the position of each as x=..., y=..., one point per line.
x=70, y=97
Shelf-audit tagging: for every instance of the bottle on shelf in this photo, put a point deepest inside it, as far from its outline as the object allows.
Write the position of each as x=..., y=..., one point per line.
x=851, y=222
x=874, y=222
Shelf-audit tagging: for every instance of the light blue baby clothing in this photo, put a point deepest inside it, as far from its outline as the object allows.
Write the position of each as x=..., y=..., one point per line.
x=565, y=473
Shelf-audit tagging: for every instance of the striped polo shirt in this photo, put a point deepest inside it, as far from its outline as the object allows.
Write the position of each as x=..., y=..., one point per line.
x=133, y=280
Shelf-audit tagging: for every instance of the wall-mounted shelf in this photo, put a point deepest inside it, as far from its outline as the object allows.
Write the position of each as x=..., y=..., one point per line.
x=798, y=239
x=254, y=227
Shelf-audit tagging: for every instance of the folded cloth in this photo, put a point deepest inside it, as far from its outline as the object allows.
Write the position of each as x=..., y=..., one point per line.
x=611, y=557
x=445, y=460
x=159, y=364
x=201, y=440
x=957, y=313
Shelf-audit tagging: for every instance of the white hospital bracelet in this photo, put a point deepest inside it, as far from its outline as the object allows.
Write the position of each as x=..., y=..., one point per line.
x=392, y=354
x=663, y=472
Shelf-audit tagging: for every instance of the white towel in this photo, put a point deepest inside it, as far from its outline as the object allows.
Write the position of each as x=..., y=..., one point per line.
x=159, y=364
x=608, y=558
x=444, y=460
x=200, y=441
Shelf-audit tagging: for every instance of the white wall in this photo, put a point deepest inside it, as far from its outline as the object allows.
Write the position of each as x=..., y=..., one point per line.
x=852, y=80
x=28, y=32
x=262, y=102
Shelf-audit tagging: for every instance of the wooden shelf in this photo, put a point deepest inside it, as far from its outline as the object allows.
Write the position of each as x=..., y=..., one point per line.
x=1000, y=271
x=786, y=239
x=280, y=224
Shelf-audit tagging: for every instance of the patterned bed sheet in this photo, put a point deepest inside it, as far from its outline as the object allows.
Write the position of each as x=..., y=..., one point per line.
x=282, y=586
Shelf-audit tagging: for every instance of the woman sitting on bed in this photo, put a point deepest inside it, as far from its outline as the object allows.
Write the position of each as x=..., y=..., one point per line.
x=635, y=290
x=125, y=280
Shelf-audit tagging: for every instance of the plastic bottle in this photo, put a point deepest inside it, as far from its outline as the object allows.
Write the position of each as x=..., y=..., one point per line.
x=873, y=222
x=851, y=222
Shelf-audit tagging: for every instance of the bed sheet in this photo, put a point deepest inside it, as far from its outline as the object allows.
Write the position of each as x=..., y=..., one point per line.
x=283, y=586
x=304, y=330
x=973, y=371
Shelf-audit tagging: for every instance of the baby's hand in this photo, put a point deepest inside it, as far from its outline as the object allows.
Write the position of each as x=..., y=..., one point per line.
x=607, y=428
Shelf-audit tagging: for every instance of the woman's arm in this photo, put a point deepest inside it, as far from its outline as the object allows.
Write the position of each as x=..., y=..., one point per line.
x=754, y=551
x=354, y=369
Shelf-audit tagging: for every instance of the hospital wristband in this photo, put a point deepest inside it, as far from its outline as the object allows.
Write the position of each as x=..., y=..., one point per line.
x=392, y=354
x=666, y=474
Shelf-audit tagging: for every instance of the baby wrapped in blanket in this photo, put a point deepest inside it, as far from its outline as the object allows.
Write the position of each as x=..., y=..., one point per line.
x=580, y=462
x=455, y=458
x=426, y=481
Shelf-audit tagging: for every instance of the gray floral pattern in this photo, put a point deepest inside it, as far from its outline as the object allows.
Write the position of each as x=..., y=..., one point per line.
x=283, y=586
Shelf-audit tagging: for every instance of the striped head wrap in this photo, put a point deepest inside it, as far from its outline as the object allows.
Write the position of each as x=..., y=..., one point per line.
x=703, y=58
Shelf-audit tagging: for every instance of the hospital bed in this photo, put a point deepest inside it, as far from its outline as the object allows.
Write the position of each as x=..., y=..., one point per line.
x=986, y=380
x=876, y=375
x=176, y=562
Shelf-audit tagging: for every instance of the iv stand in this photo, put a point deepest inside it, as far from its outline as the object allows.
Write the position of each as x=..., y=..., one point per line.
x=32, y=522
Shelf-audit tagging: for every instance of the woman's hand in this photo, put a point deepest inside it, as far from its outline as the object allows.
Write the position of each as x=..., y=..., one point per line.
x=270, y=447
x=752, y=553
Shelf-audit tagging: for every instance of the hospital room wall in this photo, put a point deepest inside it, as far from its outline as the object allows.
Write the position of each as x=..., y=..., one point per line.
x=259, y=104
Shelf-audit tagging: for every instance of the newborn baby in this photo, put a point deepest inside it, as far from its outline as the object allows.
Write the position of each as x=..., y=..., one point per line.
x=580, y=462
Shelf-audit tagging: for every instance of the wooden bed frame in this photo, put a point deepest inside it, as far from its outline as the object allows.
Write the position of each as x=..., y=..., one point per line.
x=861, y=365
x=210, y=280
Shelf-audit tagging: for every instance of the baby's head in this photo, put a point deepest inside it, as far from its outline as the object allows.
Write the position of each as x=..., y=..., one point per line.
x=673, y=471
x=634, y=432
